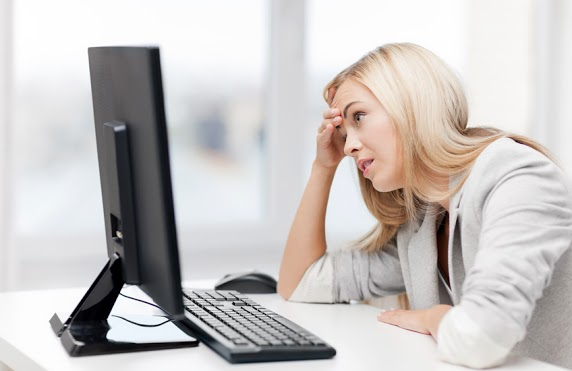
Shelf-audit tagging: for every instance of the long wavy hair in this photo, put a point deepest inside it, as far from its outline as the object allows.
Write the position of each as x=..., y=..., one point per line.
x=427, y=104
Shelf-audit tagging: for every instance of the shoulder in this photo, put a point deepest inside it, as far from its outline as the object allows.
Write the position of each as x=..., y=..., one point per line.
x=508, y=164
x=505, y=155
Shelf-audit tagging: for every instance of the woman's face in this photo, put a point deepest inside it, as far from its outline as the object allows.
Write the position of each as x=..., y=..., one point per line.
x=370, y=136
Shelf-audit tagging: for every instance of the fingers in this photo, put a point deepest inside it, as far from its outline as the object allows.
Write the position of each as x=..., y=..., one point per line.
x=331, y=113
x=331, y=116
x=390, y=316
x=333, y=122
x=412, y=320
x=329, y=139
x=325, y=132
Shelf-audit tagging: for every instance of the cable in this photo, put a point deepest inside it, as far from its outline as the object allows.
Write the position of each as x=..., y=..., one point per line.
x=148, y=303
x=142, y=324
x=143, y=301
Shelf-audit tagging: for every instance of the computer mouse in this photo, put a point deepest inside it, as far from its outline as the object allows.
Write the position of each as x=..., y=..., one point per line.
x=252, y=282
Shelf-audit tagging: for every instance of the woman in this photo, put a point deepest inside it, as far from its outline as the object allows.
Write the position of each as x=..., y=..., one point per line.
x=474, y=224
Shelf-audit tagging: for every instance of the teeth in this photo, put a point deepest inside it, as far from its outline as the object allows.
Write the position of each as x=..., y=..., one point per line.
x=366, y=164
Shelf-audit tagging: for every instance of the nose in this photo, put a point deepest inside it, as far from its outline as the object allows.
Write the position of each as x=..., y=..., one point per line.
x=352, y=145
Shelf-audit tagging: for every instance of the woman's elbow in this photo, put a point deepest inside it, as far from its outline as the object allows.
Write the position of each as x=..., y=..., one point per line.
x=461, y=341
x=483, y=361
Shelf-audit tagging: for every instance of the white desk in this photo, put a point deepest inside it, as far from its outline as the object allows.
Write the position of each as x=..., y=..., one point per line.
x=27, y=341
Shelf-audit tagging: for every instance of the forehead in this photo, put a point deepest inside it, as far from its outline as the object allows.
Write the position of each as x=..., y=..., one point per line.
x=351, y=91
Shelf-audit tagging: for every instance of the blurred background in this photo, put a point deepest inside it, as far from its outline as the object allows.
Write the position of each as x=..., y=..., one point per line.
x=243, y=82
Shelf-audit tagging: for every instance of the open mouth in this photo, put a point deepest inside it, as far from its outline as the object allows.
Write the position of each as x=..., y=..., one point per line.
x=364, y=165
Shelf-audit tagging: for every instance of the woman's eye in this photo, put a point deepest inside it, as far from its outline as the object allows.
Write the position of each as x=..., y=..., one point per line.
x=358, y=116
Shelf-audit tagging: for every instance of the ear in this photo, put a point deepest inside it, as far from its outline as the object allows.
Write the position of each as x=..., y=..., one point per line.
x=331, y=94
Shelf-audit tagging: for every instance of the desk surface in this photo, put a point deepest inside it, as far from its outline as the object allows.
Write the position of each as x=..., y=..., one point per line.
x=28, y=343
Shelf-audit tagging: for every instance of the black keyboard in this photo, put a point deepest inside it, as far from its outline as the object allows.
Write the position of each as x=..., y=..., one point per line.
x=241, y=330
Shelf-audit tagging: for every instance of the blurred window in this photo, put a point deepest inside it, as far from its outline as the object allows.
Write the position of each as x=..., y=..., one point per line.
x=214, y=65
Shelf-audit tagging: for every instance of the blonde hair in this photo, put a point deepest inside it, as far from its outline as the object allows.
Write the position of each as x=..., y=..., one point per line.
x=427, y=104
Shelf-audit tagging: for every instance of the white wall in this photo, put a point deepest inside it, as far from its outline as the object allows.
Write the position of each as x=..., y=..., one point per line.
x=498, y=76
x=519, y=76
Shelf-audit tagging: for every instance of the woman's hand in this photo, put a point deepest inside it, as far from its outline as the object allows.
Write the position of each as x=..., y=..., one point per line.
x=424, y=321
x=330, y=144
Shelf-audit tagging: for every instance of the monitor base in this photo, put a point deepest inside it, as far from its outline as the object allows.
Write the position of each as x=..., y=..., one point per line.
x=120, y=334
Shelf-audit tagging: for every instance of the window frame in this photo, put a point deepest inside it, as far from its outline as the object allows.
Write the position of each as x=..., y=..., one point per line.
x=7, y=266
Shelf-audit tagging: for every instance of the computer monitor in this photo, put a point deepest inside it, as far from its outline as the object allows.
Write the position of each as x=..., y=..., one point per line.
x=133, y=156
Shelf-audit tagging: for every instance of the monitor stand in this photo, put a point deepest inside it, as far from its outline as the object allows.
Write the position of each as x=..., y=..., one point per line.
x=90, y=329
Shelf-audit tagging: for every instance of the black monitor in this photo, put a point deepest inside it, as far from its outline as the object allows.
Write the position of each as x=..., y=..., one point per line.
x=133, y=156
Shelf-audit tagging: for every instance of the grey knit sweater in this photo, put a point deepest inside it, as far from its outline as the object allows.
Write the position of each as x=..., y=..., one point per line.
x=510, y=263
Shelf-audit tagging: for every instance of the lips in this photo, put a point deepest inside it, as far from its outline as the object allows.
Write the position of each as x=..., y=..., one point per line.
x=364, y=165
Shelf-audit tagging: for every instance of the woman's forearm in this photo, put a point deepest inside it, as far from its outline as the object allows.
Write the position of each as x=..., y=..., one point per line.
x=307, y=238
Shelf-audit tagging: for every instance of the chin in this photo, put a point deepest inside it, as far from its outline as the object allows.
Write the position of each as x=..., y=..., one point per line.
x=384, y=187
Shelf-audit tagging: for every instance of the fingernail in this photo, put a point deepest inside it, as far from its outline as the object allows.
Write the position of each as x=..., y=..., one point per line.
x=334, y=111
x=336, y=119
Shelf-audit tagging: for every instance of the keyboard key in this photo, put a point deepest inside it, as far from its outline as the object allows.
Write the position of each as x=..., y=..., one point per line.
x=215, y=295
x=241, y=341
x=226, y=295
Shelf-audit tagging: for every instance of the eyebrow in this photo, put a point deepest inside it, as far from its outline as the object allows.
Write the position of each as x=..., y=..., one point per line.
x=347, y=107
